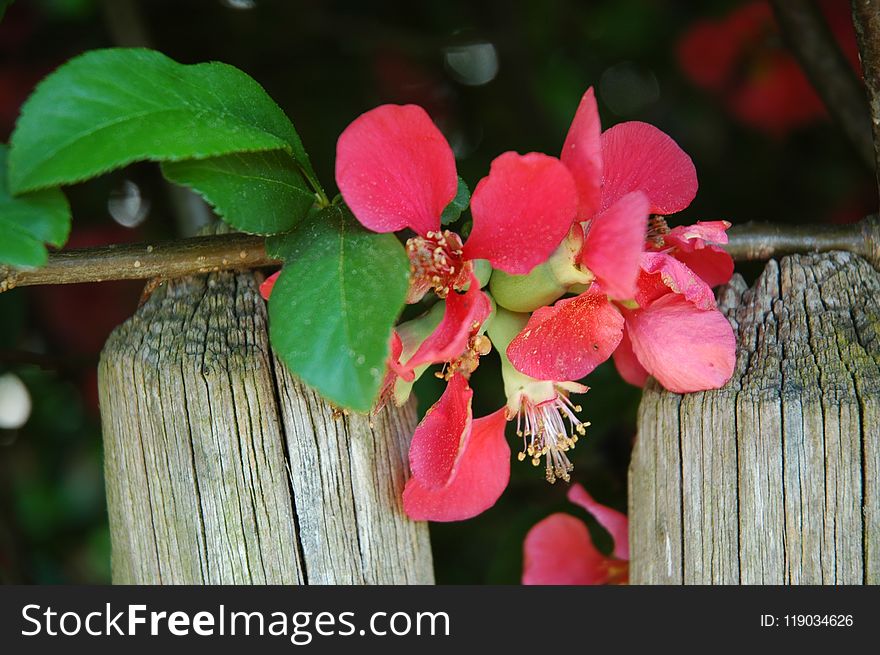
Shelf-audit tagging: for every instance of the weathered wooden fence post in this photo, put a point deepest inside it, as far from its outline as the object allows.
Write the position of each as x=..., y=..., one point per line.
x=221, y=468
x=774, y=479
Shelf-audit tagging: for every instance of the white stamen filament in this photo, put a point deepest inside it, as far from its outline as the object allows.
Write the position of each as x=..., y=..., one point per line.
x=544, y=432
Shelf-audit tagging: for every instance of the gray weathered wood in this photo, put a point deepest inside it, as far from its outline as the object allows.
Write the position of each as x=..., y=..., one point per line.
x=774, y=479
x=221, y=468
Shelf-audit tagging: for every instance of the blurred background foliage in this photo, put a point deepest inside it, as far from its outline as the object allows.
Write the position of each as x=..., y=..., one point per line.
x=495, y=76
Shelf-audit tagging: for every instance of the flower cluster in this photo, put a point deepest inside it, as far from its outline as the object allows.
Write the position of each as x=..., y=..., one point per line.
x=568, y=261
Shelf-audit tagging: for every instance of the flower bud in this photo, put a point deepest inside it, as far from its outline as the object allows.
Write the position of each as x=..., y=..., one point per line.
x=546, y=282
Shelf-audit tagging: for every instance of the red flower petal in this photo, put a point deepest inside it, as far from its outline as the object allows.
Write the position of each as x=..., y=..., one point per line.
x=712, y=264
x=614, y=243
x=450, y=339
x=662, y=273
x=627, y=363
x=685, y=348
x=396, y=369
x=439, y=438
x=395, y=169
x=568, y=340
x=615, y=522
x=268, y=284
x=694, y=245
x=639, y=157
x=698, y=235
x=480, y=476
x=582, y=155
x=522, y=211
x=559, y=551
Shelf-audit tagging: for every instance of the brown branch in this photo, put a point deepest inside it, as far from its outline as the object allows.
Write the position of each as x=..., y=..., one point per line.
x=759, y=241
x=812, y=43
x=866, y=18
x=206, y=254
x=143, y=261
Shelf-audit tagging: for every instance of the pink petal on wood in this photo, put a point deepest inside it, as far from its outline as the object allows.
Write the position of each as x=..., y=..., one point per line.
x=684, y=347
x=696, y=236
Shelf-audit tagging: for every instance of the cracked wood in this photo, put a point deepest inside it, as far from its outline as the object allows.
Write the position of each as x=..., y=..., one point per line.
x=774, y=478
x=221, y=468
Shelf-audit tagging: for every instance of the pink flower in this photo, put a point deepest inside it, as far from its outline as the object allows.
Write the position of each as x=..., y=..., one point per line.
x=623, y=175
x=395, y=170
x=546, y=419
x=460, y=465
x=559, y=551
x=642, y=171
x=677, y=333
x=697, y=246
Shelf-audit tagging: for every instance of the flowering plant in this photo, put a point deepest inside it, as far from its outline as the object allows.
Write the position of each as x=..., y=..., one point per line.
x=576, y=264
x=562, y=263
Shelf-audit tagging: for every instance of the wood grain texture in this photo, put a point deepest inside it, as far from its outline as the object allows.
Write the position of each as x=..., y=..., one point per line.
x=774, y=479
x=220, y=468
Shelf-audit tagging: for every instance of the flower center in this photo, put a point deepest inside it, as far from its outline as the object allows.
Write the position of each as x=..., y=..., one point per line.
x=436, y=263
x=657, y=229
x=545, y=434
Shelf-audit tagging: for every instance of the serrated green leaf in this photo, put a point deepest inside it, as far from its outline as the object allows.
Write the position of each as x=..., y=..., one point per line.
x=459, y=203
x=29, y=221
x=108, y=108
x=256, y=192
x=333, y=307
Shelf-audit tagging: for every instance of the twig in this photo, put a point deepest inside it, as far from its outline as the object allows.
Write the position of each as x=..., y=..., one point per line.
x=866, y=18
x=758, y=241
x=143, y=261
x=207, y=254
x=807, y=34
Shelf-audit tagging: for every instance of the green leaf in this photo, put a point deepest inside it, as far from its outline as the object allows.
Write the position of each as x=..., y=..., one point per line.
x=256, y=192
x=4, y=4
x=108, y=108
x=459, y=203
x=333, y=307
x=27, y=221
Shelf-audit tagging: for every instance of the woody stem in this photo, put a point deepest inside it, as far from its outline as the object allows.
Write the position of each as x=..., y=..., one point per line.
x=206, y=254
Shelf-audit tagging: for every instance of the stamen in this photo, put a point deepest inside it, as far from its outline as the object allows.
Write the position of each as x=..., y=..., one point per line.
x=467, y=363
x=545, y=434
x=436, y=264
x=657, y=229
